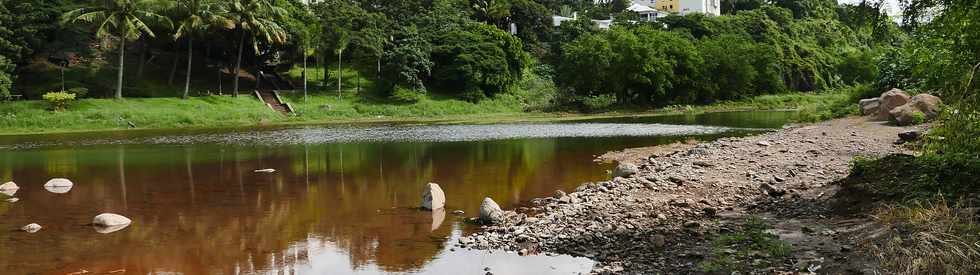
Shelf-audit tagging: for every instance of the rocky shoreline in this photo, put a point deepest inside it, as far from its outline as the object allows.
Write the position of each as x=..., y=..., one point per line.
x=662, y=214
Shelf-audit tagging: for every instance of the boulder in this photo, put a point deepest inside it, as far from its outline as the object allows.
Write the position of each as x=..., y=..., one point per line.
x=869, y=106
x=909, y=136
x=490, y=212
x=920, y=108
x=625, y=170
x=31, y=228
x=110, y=219
x=58, y=185
x=433, y=197
x=890, y=100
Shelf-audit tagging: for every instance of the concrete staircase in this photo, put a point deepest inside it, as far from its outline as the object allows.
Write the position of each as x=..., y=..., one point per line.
x=271, y=98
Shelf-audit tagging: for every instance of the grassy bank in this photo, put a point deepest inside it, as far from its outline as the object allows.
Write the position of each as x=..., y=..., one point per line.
x=33, y=117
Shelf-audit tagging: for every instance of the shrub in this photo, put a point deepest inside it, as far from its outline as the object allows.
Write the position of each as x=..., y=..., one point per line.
x=59, y=100
x=598, y=102
x=406, y=95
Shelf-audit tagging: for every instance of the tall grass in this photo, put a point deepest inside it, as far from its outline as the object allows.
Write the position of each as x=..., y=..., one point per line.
x=927, y=238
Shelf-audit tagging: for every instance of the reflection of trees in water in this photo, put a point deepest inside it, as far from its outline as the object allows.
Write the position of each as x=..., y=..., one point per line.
x=200, y=209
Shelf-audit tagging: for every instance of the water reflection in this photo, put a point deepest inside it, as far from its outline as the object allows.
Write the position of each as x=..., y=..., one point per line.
x=329, y=208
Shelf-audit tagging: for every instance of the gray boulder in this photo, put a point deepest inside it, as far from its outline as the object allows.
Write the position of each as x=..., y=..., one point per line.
x=490, y=212
x=890, y=100
x=110, y=219
x=869, y=106
x=625, y=170
x=433, y=197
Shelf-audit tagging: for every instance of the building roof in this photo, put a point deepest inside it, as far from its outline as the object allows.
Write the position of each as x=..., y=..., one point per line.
x=640, y=8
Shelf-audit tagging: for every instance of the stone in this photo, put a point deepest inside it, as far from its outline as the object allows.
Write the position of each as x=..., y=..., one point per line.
x=909, y=136
x=267, y=170
x=490, y=212
x=703, y=163
x=9, y=188
x=764, y=143
x=890, y=100
x=869, y=106
x=58, y=185
x=625, y=170
x=692, y=224
x=772, y=190
x=924, y=105
x=433, y=197
x=559, y=194
x=13, y=200
x=710, y=211
x=31, y=228
x=110, y=219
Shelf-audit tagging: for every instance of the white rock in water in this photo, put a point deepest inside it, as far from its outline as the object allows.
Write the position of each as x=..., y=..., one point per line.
x=58, y=185
x=269, y=170
x=9, y=188
x=109, y=219
x=12, y=200
x=433, y=197
x=31, y=228
x=490, y=212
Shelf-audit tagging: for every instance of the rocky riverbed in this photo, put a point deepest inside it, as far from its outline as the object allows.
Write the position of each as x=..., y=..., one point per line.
x=666, y=216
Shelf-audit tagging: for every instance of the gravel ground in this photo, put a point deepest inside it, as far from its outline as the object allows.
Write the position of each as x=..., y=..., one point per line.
x=662, y=218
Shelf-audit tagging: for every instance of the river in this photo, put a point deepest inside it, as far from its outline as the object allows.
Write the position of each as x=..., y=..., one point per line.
x=342, y=200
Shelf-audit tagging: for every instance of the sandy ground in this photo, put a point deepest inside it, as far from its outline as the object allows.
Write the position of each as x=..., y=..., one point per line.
x=663, y=218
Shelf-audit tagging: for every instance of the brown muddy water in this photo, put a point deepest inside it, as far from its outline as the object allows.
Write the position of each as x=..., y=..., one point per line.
x=341, y=202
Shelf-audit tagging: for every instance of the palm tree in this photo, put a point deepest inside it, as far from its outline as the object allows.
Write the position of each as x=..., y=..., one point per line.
x=125, y=19
x=197, y=16
x=255, y=19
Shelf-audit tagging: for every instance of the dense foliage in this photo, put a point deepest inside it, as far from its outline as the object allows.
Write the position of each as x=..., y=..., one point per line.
x=466, y=48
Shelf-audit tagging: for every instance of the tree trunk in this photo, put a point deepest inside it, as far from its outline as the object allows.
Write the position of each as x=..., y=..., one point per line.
x=190, y=56
x=323, y=64
x=305, y=96
x=122, y=56
x=340, y=72
x=379, y=68
x=238, y=63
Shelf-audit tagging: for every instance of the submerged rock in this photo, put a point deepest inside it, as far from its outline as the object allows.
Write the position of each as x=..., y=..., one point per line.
x=267, y=170
x=58, y=185
x=12, y=200
x=110, y=219
x=490, y=212
x=31, y=228
x=625, y=170
x=433, y=197
x=109, y=229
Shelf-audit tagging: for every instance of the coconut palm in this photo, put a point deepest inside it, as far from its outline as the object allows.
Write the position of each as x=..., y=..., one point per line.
x=255, y=19
x=124, y=19
x=197, y=16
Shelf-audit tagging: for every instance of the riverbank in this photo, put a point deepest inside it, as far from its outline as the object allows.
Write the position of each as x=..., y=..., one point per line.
x=760, y=203
x=91, y=115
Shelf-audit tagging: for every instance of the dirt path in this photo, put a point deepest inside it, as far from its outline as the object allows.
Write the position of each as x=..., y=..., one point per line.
x=691, y=206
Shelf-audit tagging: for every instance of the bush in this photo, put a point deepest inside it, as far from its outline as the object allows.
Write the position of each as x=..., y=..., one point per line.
x=598, y=102
x=406, y=95
x=59, y=100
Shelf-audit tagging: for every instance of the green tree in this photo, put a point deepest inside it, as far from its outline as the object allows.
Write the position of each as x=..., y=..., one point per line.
x=196, y=17
x=124, y=19
x=477, y=60
x=256, y=21
x=6, y=79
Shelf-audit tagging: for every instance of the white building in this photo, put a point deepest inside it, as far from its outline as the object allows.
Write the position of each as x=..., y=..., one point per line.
x=707, y=7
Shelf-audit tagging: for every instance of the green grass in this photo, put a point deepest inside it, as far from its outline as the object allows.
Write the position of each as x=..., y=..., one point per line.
x=747, y=249
x=33, y=117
